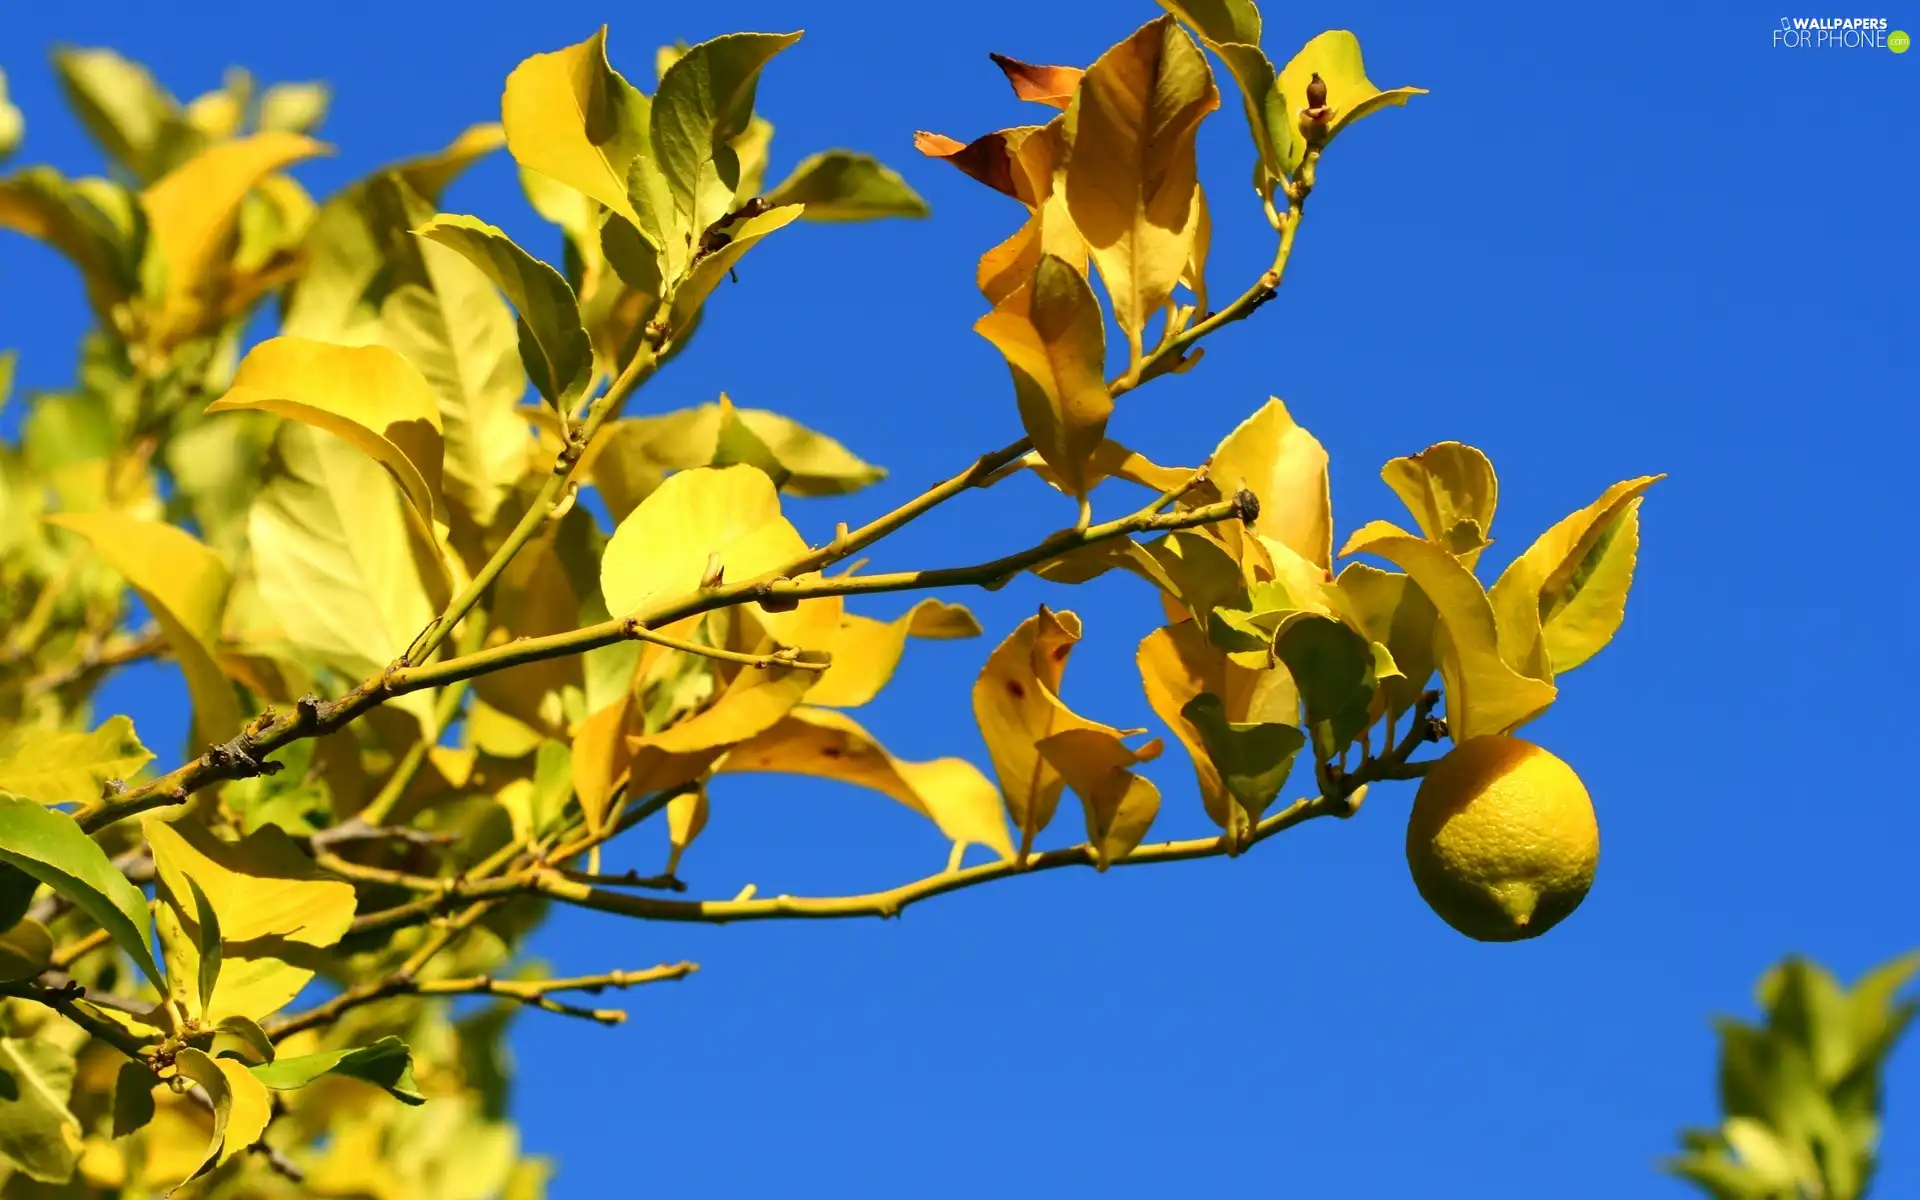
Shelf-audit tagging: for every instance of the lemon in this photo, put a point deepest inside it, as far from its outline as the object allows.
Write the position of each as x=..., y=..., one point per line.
x=1502, y=841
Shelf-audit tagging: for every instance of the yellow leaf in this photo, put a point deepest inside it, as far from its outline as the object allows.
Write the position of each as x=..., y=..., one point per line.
x=348, y=244
x=548, y=588
x=601, y=760
x=1285, y=467
x=369, y=396
x=569, y=115
x=69, y=767
x=1130, y=180
x=1055, y=344
x=241, y=1104
x=686, y=818
x=1451, y=491
x=830, y=745
x=1177, y=663
x=192, y=208
x=1335, y=57
x=1111, y=460
x=1395, y=613
x=1485, y=693
x=348, y=577
x=1119, y=805
x=184, y=585
x=709, y=269
x=866, y=652
x=660, y=552
x=274, y=905
x=631, y=456
x=429, y=174
x=460, y=334
x=1580, y=571
x=1016, y=702
x=753, y=703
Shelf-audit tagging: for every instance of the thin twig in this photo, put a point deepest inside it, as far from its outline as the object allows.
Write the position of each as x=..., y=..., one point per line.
x=779, y=658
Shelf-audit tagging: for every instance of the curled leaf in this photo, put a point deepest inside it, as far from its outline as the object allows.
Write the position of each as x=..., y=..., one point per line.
x=1051, y=86
x=368, y=396
x=830, y=745
x=840, y=185
x=866, y=651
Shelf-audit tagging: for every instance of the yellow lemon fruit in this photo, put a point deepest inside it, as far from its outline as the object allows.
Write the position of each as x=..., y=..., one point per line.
x=1502, y=841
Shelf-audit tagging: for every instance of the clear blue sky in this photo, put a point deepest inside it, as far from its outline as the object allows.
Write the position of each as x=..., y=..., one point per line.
x=1611, y=241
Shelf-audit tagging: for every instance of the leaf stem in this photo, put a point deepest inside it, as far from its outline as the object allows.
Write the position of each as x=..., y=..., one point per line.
x=779, y=658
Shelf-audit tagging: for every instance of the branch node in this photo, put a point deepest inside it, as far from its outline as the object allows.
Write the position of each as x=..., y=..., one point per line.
x=306, y=713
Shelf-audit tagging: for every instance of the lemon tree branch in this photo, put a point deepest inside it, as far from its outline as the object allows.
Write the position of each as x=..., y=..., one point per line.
x=244, y=756
x=534, y=993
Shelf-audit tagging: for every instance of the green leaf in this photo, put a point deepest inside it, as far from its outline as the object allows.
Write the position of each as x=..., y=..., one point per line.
x=25, y=950
x=631, y=257
x=128, y=114
x=839, y=185
x=1333, y=668
x=709, y=269
x=132, y=1098
x=294, y=107
x=1252, y=758
x=387, y=1063
x=70, y=768
x=41, y=203
x=16, y=895
x=242, y=1038
x=50, y=846
x=37, y=1133
x=553, y=344
x=705, y=101
x=207, y=923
